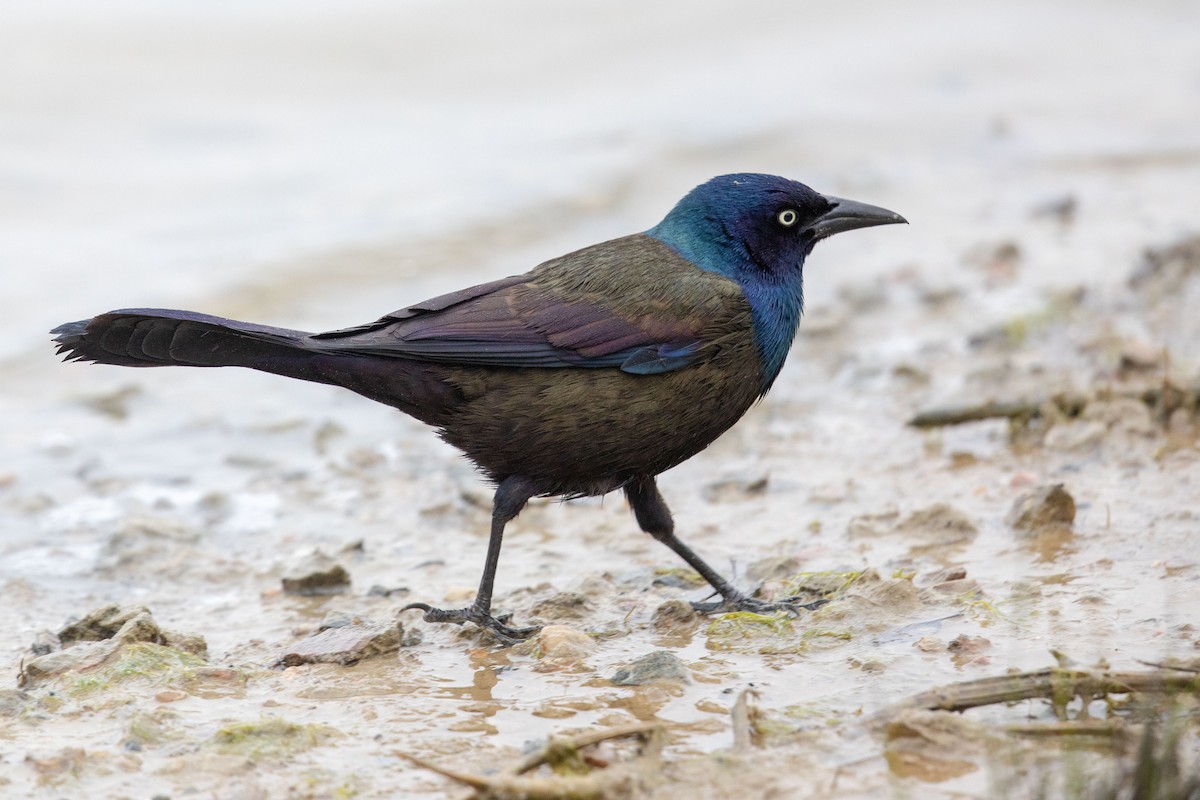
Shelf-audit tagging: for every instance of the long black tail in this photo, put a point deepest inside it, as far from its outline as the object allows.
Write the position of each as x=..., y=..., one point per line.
x=156, y=337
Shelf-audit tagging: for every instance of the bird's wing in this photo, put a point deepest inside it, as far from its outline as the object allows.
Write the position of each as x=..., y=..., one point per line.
x=522, y=325
x=556, y=316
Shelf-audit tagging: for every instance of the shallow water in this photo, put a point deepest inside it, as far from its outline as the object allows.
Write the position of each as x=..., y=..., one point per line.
x=311, y=167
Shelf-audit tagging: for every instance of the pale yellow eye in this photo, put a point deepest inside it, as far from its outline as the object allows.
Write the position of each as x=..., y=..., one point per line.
x=787, y=218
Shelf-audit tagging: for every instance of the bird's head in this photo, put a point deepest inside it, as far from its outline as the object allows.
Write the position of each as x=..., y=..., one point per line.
x=759, y=228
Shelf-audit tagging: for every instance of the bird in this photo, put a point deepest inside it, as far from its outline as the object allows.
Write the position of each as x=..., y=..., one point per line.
x=593, y=372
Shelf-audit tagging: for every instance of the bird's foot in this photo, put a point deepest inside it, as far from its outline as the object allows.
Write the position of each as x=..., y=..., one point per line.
x=740, y=602
x=478, y=616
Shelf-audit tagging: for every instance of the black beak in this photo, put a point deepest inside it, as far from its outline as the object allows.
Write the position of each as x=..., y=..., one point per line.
x=848, y=215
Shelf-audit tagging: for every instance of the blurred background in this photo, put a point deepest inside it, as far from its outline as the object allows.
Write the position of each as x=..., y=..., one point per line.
x=152, y=154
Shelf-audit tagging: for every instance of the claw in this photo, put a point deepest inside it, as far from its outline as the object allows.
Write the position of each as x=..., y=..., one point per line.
x=478, y=616
x=741, y=602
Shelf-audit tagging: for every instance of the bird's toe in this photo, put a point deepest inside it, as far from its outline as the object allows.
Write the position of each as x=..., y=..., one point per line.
x=741, y=602
x=480, y=617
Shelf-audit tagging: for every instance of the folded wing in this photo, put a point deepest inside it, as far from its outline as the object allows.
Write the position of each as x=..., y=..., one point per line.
x=518, y=323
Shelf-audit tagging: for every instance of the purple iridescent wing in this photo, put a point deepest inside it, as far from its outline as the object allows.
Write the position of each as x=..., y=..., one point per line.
x=568, y=313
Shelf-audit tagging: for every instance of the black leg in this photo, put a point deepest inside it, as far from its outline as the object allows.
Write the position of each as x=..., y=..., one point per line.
x=655, y=519
x=511, y=496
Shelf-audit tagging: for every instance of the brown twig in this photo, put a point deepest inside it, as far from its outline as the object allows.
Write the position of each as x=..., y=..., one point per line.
x=644, y=730
x=1054, y=683
x=1192, y=667
x=617, y=780
x=1111, y=728
x=1164, y=398
x=993, y=409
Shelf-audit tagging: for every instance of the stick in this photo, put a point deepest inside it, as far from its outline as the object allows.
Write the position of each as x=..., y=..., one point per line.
x=512, y=781
x=535, y=760
x=1167, y=397
x=1053, y=683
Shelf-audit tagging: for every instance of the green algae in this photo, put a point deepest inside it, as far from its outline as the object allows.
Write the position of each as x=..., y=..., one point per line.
x=271, y=738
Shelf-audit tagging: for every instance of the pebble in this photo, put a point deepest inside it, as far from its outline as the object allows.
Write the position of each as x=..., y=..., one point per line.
x=345, y=644
x=675, y=616
x=1045, y=506
x=316, y=574
x=652, y=667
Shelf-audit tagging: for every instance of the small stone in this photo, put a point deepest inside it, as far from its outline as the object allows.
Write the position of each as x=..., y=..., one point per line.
x=102, y=623
x=345, y=645
x=675, y=616
x=563, y=605
x=958, y=588
x=730, y=490
x=558, y=648
x=1042, y=507
x=1076, y=435
x=929, y=644
x=968, y=650
x=316, y=574
x=561, y=642
x=45, y=642
x=1139, y=355
x=170, y=696
x=81, y=657
x=938, y=525
x=953, y=573
x=657, y=666
x=968, y=645
x=140, y=628
x=192, y=643
x=91, y=641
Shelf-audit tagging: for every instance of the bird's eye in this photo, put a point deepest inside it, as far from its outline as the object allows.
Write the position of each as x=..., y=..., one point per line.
x=787, y=218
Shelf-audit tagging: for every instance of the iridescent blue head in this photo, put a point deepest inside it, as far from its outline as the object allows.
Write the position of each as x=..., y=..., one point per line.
x=757, y=230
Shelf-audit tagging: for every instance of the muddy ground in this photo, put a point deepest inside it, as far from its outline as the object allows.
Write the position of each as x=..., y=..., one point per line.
x=1049, y=279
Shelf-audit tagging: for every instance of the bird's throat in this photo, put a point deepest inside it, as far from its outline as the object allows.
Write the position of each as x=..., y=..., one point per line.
x=776, y=308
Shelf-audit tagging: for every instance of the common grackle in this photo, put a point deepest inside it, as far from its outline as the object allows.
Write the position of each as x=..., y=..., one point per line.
x=593, y=372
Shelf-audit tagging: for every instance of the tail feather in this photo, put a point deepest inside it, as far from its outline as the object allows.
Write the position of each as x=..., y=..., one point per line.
x=151, y=337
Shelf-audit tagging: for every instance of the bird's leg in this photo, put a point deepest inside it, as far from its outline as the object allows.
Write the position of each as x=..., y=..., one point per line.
x=654, y=518
x=511, y=496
